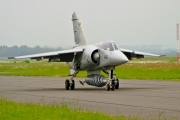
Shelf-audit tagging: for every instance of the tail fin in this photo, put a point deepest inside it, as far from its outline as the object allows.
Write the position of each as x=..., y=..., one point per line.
x=78, y=34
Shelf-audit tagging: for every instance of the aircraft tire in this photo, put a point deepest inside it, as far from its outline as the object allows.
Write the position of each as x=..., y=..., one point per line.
x=107, y=87
x=117, y=84
x=73, y=85
x=67, y=85
x=112, y=87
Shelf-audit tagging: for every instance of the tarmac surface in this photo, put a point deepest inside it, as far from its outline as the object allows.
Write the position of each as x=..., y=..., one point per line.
x=142, y=98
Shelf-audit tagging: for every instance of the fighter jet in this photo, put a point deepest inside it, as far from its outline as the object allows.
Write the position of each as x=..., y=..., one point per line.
x=103, y=56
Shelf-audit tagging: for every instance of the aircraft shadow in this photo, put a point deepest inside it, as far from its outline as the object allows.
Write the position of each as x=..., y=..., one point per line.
x=99, y=89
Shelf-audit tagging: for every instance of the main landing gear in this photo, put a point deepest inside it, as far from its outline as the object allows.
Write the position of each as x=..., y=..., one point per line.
x=113, y=83
x=69, y=83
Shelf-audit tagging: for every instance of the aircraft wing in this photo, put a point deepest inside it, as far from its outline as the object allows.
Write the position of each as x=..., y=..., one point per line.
x=136, y=54
x=56, y=56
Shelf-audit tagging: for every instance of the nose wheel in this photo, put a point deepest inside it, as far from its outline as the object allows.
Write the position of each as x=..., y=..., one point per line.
x=110, y=86
x=117, y=84
x=113, y=82
x=107, y=87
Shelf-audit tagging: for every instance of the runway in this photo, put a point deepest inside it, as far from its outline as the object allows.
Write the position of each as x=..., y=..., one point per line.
x=144, y=98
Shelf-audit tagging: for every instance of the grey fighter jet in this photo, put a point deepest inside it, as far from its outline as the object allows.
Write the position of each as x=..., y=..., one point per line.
x=103, y=56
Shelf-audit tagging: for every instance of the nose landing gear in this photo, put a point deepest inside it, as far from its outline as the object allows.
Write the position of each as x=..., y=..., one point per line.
x=113, y=82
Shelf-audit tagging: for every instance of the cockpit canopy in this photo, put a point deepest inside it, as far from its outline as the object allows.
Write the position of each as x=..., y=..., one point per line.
x=111, y=46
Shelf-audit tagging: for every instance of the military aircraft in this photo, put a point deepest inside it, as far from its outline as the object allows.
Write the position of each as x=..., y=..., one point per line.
x=103, y=56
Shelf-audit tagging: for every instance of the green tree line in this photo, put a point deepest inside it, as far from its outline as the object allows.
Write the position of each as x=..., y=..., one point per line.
x=6, y=51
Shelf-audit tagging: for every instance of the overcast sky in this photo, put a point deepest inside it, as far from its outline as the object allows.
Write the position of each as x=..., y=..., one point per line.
x=128, y=22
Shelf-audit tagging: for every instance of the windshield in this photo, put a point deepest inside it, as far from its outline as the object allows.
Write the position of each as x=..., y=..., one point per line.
x=110, y=47
x=115, y=46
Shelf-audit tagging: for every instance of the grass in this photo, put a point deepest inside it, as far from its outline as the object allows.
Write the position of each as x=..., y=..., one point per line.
x=27, y=111
x=161, y=69
x=164, y=68
x=10, y=110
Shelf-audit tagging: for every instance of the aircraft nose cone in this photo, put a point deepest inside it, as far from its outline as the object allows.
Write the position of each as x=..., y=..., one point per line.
x=119, y=58
x=123, y=58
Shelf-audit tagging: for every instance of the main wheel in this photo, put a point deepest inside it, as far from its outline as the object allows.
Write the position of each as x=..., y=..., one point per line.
x=117, y=84
x=112, y=87
x=73, y=85
x=107, y=87
x=67, y=85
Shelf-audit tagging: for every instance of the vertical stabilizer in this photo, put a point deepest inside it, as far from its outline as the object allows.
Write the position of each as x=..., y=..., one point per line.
x=78, y=34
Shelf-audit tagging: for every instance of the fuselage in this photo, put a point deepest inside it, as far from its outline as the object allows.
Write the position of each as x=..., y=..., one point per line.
x=104, y=55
